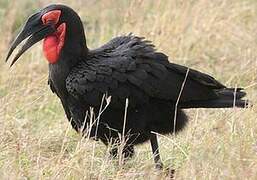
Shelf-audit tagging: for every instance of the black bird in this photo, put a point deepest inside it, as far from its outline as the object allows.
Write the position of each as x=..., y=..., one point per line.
x=130, y=71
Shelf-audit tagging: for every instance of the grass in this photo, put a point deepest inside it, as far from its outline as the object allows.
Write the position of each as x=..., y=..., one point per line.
x=217, y=37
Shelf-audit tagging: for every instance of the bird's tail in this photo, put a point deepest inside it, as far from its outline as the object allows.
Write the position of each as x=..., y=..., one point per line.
x=227, y=98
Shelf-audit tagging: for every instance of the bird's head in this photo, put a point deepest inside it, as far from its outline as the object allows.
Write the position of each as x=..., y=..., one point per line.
x=59, y=26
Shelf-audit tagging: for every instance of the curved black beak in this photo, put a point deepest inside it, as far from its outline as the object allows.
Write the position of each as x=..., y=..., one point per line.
x=35, y=31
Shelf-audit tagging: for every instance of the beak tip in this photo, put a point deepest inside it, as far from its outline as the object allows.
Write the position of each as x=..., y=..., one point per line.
x=9, y=54
x=14, y=60
x=10, y=65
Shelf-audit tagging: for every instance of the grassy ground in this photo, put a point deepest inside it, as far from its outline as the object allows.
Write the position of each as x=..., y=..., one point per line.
x=218, y=37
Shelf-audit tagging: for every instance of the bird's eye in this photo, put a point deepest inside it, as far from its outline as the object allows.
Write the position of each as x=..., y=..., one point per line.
x=51, y=16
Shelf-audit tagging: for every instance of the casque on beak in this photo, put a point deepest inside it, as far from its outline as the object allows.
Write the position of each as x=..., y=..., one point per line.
x=35, y=31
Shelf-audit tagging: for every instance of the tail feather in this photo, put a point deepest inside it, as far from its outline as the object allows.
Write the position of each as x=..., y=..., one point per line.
x=227, y=98
x=228, y=93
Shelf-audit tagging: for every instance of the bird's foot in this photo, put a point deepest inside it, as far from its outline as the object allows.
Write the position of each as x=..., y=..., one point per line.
x=159, y=166
x=171, y=173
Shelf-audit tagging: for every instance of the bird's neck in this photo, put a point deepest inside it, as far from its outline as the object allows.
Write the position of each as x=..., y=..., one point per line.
x=59, y=71
x=72, y=53
x=67, y=43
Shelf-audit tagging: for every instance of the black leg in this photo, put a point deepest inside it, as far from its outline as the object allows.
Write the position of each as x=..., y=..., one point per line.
x=108, y=136
x=127, y=152
x=155, y=150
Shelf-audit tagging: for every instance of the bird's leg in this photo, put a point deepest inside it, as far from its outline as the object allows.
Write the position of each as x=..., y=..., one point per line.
x=155, y=150
x=127, y=151
x=111, y=137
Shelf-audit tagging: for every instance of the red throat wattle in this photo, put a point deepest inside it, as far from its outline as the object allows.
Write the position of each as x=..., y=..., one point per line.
x=53, y=44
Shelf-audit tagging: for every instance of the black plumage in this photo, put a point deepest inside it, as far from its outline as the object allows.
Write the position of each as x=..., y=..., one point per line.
x=127, y=67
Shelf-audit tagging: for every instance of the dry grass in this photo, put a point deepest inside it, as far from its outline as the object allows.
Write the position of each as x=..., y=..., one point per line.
x=218, y=37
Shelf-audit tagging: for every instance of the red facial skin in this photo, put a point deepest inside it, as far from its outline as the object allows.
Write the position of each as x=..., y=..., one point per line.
x=54, y=43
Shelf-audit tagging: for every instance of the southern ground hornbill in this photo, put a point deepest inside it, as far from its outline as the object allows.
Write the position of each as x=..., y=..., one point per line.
x=130, y=71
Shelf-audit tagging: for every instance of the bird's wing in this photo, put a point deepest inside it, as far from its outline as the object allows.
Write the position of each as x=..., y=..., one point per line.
x=129, y=67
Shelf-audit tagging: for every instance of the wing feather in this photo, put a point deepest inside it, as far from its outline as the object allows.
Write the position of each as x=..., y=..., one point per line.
x=129, y=67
